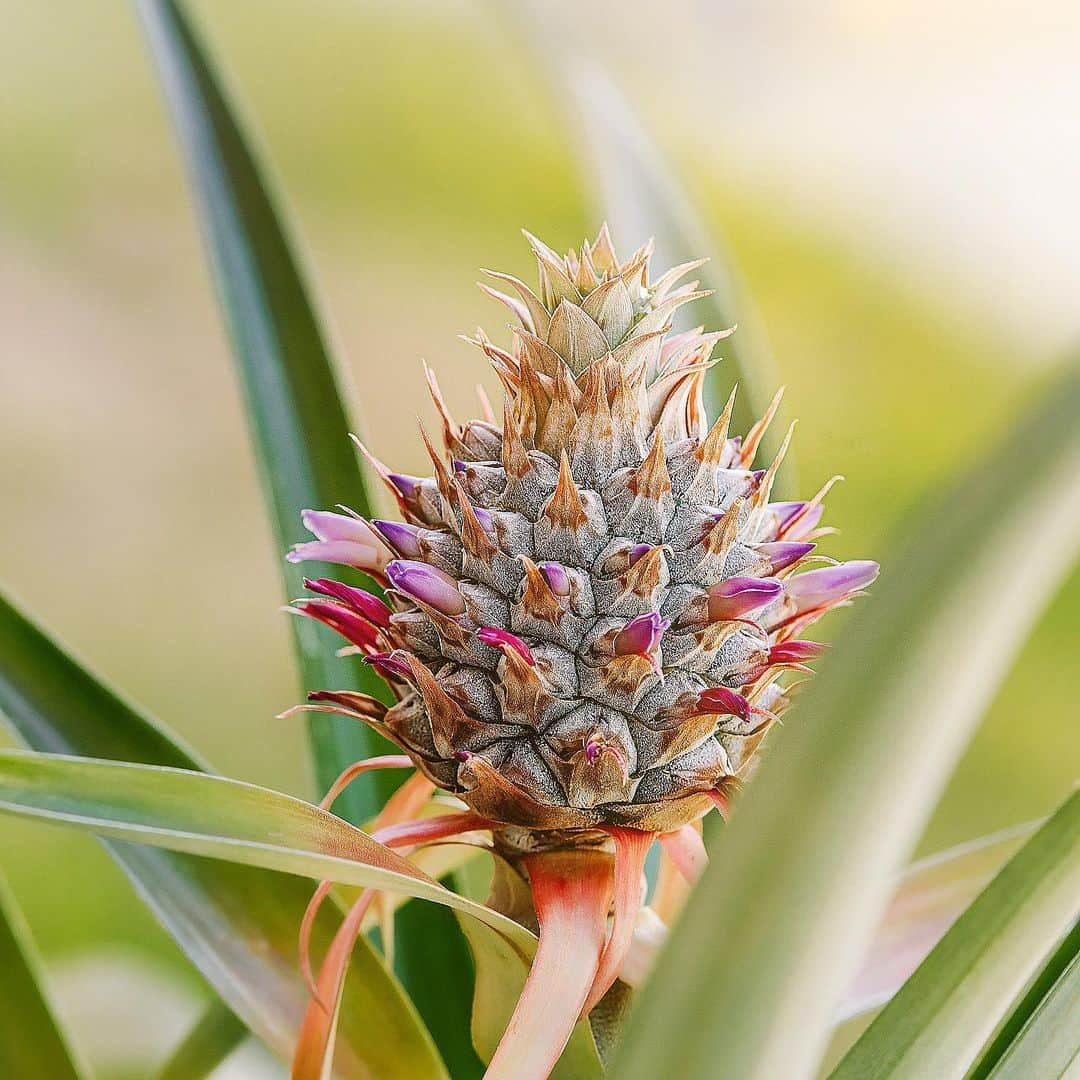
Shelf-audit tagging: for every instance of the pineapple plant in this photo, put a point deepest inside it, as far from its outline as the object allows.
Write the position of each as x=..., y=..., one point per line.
x=590, y=608
x=586, y=622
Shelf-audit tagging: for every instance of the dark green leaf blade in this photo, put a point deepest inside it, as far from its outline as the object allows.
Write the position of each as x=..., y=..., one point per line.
x=32, y=1042
x=236, y=924
x=943, y=1016
x=297, y=418
x=216, y=1034
x=774, y=931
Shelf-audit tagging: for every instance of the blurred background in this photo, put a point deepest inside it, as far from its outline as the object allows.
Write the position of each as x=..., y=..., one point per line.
x=895, y=180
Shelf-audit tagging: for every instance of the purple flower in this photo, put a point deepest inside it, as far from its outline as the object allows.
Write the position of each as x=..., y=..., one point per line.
x=829, y=585
x=427, y=584
x=739, y=596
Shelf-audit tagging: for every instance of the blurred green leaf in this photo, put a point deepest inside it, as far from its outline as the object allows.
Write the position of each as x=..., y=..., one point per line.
x=640, y=197
x=774, y=931
x=931, y=895
x=297, y=418
x=216, y=1034
x=237, y=925
x=945, y=1014
x=32, y=1042
x=1049, y=1043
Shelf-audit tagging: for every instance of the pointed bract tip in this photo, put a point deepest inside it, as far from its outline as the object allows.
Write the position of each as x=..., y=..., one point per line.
x=496, y=638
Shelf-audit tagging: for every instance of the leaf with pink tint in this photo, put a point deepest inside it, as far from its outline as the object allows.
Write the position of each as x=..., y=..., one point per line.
x=930, y=896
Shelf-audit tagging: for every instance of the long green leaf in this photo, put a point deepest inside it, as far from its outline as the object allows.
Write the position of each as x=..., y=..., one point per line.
x=237, y=925
x=1048, y=1046
x=948, y=1010
x=774, y=931
x=216, y=1034
x=200, y=814
x=226, y=819
x=32, y=1042
x=297, y=418
x=640, y=197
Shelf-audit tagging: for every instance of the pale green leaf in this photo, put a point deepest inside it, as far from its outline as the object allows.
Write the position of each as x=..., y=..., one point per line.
x=221, y=818
x=32, y=1041
x=243, y=823
x=773, y=933
x=237, y=925
x=945, y=1014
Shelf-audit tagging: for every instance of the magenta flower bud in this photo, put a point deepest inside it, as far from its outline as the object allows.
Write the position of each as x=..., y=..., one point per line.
x=639, y=551
x=641, y=635
x=725, y=702
x=739, y=596
x=347, y=623
x=796, y=652
x=364, y=603
x=388, y=665
x=428, y=584
x=557, y=578
x=401, y=537
x=783, y=553
x=493, y=636
x=459, y=465
x=829, y=585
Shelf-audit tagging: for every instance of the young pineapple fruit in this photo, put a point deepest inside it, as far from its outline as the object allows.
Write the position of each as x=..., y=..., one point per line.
x=589, y=606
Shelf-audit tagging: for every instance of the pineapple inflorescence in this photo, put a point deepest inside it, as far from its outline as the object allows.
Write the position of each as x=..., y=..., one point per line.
x=589, y=607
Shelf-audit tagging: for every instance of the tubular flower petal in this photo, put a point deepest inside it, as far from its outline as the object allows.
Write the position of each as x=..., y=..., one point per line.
x=830, y=585
x=739, y=596
x=427, y=584
x=582, y=586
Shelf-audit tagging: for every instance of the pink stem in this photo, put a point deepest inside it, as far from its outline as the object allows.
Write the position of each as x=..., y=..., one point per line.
x=631, y=847
x=408, y=833
x=686, y=850
x=571, y=892
x=388, y=761
x=316, y=1037
x=306, y=924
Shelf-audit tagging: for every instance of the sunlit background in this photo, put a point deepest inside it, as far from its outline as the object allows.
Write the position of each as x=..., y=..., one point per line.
x=896, y=182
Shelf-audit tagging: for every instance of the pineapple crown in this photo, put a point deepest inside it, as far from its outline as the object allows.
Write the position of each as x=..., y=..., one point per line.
x=590, y=607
